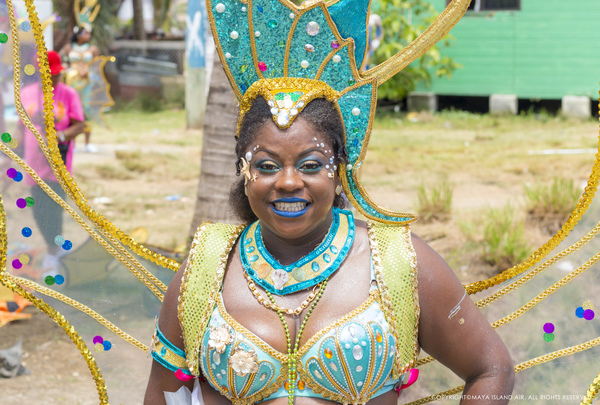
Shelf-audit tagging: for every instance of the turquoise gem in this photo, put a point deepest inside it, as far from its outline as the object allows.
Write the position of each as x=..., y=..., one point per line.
x=298, y=274
x=163, y=351
x=315, y=266
x=248, y=241
x=334, y=250
x=272, y=23
x=326, y=257
x=253, y=258
x=250, y=249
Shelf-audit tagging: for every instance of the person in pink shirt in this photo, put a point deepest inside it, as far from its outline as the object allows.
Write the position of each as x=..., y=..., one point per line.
x=68, y=123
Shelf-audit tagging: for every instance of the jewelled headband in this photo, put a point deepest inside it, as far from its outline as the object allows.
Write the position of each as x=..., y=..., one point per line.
x=292, y=54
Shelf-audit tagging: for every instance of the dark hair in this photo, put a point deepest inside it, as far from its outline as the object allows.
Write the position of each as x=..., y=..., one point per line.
x=76, y=31
x=320, y=113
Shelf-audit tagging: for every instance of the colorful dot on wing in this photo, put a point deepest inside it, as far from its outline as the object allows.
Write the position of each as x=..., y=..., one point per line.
x=23, y=258
x=588, y=314
x=26, y=232
x=29, y=201
x=3, y=38
x=107, y=345
x=548, y=337
x=579, y=312
x=17, y=264
x=98, y=339
x=18, y=177
x=11, y=173
x=29, y=69
x=6, y=138
x=548, y=327
x=21, y=203
x=99, y=347
x=49, y=280
x=13, y=143
x=67, y=245
x=59, y=240
x=25, y=26
x=59, y=279
x=588, y=305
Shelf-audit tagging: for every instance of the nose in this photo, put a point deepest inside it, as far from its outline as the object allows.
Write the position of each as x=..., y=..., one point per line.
x=289, y=180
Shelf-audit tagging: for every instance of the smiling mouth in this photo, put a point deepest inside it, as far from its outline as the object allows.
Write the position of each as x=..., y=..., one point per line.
x=290, y=207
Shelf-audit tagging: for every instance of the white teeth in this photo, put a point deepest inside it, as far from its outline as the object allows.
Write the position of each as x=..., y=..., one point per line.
x=290, y=207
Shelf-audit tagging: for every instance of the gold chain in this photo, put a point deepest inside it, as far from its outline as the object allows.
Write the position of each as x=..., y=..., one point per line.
x=518, y=283
x=273, y=306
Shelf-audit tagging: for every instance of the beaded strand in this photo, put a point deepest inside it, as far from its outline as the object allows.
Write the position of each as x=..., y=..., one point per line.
x=292, y=355
x=273, y=305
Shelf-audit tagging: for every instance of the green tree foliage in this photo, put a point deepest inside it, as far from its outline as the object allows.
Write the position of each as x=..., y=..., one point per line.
x=403, y=21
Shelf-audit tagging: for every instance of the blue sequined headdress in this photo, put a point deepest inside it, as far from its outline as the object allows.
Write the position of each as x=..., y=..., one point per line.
x=292, y=54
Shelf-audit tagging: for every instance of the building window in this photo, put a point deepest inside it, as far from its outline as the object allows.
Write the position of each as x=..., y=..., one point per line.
x=488, y=5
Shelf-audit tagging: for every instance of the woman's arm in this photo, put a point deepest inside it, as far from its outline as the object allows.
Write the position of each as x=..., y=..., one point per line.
x=453, y=330
x=72, y=131
x=161, y=378
x=94, y=50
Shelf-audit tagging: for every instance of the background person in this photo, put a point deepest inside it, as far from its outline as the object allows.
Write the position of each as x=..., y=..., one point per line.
x=68, y=123
x=80, y=54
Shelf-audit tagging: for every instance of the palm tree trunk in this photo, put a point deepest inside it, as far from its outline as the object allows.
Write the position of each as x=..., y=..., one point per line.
x=217, y=172
x=139, y=32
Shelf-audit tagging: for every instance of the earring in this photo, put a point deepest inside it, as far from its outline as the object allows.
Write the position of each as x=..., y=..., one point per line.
x=245, y=170
x=338, y=190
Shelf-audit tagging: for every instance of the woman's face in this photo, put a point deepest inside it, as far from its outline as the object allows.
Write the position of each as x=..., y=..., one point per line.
x=295, y=181
x=84, y=36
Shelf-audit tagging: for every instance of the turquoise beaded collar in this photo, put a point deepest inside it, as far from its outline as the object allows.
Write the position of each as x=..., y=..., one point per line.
x=305, y=273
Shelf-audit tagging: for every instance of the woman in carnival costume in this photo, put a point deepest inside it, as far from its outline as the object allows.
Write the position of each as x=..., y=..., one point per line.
x=340, y=308
x=301, y=303
x=83, y=75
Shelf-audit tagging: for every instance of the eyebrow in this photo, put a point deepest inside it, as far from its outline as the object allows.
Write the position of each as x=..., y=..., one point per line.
x=302, y=154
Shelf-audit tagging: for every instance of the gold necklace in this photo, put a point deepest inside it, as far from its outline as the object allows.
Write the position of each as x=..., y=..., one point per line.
x=293, y=353
x=273, y=306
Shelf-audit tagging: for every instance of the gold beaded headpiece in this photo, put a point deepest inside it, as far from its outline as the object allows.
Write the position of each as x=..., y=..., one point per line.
x=291, y=55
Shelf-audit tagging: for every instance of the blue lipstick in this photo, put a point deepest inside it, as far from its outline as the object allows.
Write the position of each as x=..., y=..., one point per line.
x=290, y=214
